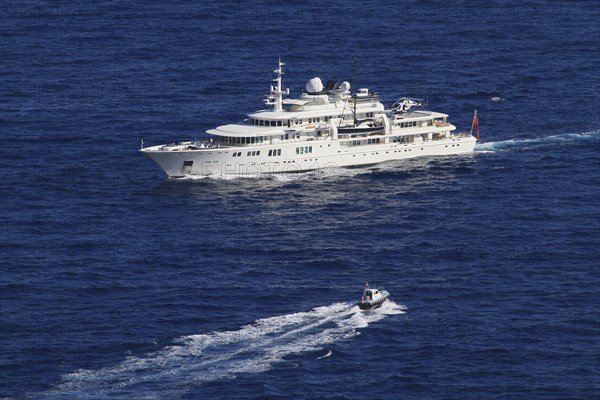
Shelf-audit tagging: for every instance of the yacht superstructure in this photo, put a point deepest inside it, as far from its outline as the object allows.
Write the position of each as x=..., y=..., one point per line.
x=325, y=127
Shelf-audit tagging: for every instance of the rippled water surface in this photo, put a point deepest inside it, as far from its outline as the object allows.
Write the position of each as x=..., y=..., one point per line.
x=119, y=283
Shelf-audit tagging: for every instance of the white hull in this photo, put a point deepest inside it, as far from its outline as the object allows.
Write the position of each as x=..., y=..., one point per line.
x=326, y=153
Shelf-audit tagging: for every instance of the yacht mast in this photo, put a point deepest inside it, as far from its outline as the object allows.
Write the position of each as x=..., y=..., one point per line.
x=354, y=83
x=277, y=91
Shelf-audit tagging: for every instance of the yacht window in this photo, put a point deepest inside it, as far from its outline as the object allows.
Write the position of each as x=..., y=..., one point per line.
x=260, y=122
x=258, y=153
x=310, y=149
x=301, y=150
x=279, y=123
x=279, y=152
x=234, y=154
x=254, y=153
x=273, y=123
x=270, y=153
x=248, y=154
x=297, y=150
x=286, y=136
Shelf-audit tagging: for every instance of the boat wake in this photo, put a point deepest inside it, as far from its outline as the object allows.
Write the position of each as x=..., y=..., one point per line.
x=536, y=142
x=197, y=359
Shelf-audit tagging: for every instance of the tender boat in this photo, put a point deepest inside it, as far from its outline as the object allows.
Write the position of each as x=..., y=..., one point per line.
x=372, y=298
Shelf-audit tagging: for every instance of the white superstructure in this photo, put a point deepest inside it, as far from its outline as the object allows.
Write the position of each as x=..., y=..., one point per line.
x=325, y=127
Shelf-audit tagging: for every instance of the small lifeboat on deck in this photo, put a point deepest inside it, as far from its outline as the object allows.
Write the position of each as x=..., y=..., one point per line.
x=372, y=298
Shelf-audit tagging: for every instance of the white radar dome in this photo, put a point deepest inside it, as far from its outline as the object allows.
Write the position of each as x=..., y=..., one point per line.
x=314, y=85
x=345, y=86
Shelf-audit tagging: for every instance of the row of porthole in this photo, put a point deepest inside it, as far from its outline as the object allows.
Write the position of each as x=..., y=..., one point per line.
x=387, y=152
x=276, y=152
x=263, y=163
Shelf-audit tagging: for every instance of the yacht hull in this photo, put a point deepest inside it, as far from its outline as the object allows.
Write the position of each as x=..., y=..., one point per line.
x=181, y=162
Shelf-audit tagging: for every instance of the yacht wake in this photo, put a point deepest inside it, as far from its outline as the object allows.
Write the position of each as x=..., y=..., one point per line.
x=201, y=358
x=535, y=142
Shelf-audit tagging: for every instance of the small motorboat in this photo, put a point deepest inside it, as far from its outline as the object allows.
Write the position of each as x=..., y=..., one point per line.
x=372, y=298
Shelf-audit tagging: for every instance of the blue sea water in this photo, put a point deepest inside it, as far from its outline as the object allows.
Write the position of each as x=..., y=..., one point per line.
x=117, y=282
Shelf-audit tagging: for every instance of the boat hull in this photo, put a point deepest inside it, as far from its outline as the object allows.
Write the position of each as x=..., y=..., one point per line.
x=324, y=154
x=369, y=305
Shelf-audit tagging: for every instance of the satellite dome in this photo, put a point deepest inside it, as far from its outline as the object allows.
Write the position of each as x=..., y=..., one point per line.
x=345, y=86
x=314, y=85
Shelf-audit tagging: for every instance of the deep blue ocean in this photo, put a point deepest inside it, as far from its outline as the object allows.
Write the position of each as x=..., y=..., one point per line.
x=118, y=283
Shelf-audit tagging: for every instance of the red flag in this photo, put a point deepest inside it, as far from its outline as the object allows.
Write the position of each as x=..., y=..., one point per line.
x=475, y=124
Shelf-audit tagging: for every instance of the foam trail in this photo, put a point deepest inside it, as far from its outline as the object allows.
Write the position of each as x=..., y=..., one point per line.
x=535, y=142
x=201, y=358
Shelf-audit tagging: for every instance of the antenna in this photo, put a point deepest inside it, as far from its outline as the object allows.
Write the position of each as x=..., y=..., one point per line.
x=275, y=97
x=355, y=79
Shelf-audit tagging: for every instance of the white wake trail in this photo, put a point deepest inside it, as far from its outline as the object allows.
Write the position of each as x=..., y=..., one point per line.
x=207, y=357
x=551, y=140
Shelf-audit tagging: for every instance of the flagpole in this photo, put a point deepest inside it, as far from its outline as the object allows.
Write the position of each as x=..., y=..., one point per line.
x=474, y=124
